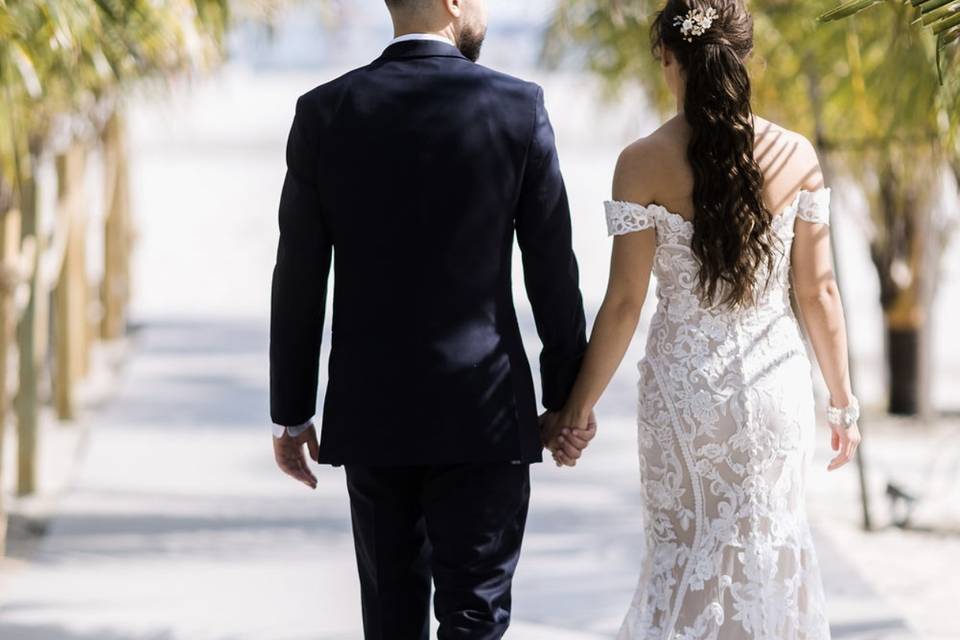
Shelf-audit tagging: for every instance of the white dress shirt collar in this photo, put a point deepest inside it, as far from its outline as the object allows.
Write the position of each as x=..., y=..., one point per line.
x=422, y=36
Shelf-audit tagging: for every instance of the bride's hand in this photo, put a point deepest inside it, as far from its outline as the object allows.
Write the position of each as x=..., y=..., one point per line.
x=844, y=441
x=574, y=433
x=552, y=436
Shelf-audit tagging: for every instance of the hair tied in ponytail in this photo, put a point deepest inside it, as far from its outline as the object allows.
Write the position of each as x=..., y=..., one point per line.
x=733, y=237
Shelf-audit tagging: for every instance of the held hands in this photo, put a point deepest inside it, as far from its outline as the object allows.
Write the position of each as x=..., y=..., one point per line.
x=288, y=453
x=567, y=435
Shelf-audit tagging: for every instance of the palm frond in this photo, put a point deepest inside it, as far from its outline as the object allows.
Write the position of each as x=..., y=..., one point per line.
x=941, y=17
x=927, y=6
x=847, y=9
x=63, y=58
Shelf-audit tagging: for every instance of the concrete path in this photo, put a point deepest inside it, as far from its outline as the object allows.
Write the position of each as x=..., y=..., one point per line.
x=180, y=528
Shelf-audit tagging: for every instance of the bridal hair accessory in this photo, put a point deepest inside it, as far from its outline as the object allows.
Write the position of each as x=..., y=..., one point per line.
x=695, y=22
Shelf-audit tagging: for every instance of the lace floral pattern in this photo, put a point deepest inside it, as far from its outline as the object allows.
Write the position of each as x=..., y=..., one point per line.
x=814, y=206
x=624, y=217
x=726, y=419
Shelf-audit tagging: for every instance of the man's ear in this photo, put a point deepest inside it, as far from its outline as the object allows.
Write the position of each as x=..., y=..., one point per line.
x=454, y=7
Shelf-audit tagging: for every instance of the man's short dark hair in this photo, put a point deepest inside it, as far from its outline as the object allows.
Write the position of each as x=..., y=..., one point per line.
x=404, y=4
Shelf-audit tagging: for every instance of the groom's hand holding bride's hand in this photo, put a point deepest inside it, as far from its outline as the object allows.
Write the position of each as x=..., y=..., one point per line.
x=567, y=434
x=288, y=453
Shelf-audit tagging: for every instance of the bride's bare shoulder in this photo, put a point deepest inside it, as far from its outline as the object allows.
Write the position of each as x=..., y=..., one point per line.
x=647, y=162
x=787, y=154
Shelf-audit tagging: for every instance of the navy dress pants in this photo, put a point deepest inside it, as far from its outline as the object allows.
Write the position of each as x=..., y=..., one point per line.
x=461, y=525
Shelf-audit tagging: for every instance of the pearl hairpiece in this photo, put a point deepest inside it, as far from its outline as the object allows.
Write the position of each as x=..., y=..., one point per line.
x=695, y=22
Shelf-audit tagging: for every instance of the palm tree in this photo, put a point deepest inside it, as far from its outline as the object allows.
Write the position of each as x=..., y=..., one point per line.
x=868, y=91
x=65, y=66
x=66, y=63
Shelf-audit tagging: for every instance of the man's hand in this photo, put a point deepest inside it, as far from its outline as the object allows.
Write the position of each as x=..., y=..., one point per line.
x=549, y=429
x=565, y=437
x=289, y=455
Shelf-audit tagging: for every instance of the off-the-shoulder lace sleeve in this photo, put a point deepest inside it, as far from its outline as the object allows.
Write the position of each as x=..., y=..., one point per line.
x=626, y=217
x=814, y=206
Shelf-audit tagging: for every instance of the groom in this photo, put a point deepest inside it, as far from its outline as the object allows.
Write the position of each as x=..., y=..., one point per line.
x=414, y=173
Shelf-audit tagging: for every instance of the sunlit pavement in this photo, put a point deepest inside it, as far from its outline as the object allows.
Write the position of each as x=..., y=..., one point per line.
x=180, y=527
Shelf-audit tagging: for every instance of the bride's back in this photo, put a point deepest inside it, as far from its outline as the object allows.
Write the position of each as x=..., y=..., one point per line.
x=787, y=160
x=717, y=165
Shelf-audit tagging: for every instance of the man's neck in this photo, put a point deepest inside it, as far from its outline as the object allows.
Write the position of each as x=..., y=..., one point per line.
x=447, y=33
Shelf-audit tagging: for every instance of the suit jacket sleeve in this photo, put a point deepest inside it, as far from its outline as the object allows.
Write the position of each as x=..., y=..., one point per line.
x=549, y=265
x=298, y=300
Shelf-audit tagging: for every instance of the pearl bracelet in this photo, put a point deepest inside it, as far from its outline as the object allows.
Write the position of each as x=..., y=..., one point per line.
x=844, y=416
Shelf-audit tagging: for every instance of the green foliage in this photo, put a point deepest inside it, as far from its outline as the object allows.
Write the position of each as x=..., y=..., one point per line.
x=64, y=59
x=941, y=17
x=870, y=82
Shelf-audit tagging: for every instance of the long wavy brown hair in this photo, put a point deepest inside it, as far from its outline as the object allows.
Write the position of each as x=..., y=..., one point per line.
x=732, y=228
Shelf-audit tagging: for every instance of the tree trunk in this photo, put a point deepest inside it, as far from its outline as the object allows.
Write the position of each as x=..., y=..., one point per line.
x=29, y=331
x=903, y=367
x=115, y=290
x=70, y=317
x=899, y=252
x=9, y=248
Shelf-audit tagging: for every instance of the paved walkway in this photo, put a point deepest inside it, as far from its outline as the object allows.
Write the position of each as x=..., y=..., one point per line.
x=179, y=527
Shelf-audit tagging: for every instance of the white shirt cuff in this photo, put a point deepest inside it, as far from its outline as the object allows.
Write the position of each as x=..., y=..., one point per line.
x=279, y=430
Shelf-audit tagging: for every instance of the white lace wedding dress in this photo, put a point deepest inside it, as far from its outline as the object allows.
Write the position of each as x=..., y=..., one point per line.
x=726, y=425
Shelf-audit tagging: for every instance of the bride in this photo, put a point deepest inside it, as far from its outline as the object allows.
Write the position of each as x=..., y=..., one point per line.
x=730, y=212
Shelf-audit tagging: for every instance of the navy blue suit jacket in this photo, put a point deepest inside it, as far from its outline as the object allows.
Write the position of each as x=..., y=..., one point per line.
x=414, y=173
